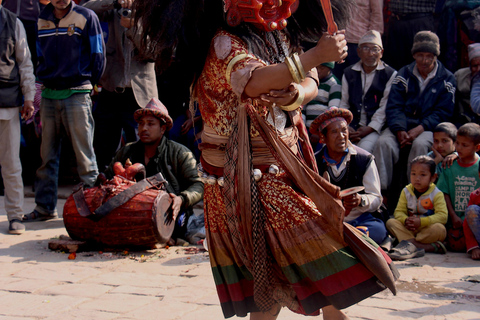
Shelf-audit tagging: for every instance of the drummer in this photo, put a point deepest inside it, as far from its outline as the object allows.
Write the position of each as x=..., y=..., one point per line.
x=174, y=161
x=350, y=166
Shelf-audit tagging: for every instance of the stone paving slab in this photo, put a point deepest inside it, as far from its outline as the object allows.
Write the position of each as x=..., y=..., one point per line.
x=119, y=303
x=35, y=305
x=77, y=290
x=139, y=279
x=20, y=285
x=139, y=291
x=76, y=314
x=171, y=311
x=175, y=284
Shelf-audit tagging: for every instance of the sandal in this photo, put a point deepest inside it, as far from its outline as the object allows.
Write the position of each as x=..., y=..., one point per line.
x=37, y=216
x=439, y=247
x=405, y=250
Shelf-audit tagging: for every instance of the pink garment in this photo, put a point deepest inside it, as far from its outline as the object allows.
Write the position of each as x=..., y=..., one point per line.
x=367, y=16
x=36, y=101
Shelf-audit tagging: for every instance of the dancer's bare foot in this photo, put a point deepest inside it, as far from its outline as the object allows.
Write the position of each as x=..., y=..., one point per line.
x=272, y=314
x=332, y=313
x=475, y=254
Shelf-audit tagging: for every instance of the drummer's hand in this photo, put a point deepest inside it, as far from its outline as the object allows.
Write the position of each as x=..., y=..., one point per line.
x=176, y=205
x=352, y=201
x=330, y=48
x=282, y=97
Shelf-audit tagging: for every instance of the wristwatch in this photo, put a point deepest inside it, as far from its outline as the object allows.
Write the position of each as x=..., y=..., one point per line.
x=363, y=201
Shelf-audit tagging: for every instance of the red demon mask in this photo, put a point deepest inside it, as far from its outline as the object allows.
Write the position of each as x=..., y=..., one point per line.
x=266, y=15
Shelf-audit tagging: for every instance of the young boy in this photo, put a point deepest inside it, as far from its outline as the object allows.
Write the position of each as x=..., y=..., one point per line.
x=421, y=214
x=444, y=137
x=471, y=224
x=459, y=181
x=329, y=95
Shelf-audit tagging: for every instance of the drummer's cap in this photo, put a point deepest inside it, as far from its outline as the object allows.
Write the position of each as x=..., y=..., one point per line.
x=331, y=115
x=157, y=109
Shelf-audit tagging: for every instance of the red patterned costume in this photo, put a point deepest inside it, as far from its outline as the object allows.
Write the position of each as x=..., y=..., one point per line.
x=269, y=245
x=310, y=268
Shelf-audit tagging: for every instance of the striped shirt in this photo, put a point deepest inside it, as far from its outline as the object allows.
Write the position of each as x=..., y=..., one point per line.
x=329, y=95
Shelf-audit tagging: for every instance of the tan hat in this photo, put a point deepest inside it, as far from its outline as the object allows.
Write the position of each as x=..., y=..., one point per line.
x=157, y=109
x=473, y=51
x=373, y=37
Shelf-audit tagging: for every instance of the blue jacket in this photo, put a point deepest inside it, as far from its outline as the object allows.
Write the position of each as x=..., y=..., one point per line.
x=475, y=94
x=71, y=51
x=407, y=108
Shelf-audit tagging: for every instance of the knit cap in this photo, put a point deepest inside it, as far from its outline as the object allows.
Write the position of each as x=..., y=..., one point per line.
x=330, y=65
x=373, y=37
x=473, y=51
x=426, y=41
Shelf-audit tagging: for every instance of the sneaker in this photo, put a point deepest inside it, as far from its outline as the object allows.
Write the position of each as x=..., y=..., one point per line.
x=16, y=227
x=405, y=250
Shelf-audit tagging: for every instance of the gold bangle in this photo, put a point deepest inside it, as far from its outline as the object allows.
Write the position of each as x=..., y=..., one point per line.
x=299, y=65
x=298, y=102
x=293, y=69
x=232, y=63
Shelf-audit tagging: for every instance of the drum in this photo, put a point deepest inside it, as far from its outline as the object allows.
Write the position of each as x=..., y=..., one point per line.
x=142, y=221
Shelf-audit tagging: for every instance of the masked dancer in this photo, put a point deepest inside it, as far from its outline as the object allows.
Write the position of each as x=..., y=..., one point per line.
x=270, y=246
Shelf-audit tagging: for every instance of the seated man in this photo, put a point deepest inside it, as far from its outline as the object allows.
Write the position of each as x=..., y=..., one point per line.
x=346, y=166
x=174, y=161
x=422, y=96
x=365, y=89
x=463, y=111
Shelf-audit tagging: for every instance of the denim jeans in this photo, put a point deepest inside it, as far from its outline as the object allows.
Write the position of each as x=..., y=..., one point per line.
x=376, y=227
x=471, y=227
x=71, y=117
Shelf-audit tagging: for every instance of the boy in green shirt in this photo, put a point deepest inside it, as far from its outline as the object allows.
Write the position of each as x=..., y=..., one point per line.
x=460, y=180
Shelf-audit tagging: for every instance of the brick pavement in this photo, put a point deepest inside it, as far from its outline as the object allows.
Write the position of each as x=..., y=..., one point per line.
x=168, y=284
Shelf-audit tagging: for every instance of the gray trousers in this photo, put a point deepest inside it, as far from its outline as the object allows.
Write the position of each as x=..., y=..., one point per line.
x=11, y=166
x=368, y=142
x=387, y=153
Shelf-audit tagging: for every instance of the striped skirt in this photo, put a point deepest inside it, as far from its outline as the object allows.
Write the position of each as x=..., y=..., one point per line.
x=312, y=267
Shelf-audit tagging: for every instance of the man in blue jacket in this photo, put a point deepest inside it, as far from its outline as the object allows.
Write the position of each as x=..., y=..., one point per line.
x=71, y=60
x=422, y=96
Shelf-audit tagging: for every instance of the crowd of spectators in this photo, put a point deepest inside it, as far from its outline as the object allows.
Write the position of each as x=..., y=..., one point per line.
x=407, y=86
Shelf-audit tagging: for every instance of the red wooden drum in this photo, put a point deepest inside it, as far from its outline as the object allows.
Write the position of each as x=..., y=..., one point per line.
x=141, y=221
